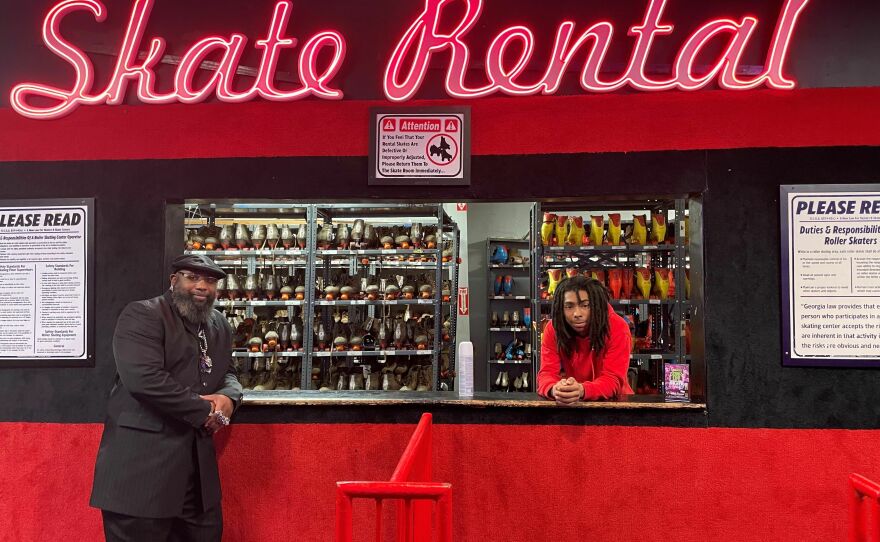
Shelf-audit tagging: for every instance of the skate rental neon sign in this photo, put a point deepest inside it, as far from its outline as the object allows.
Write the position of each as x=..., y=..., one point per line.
x=409, y=62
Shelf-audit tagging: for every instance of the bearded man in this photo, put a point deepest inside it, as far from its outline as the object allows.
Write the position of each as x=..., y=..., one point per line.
x=156, y=473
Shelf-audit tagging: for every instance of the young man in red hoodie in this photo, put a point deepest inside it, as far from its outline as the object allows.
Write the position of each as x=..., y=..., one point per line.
x=585, y=347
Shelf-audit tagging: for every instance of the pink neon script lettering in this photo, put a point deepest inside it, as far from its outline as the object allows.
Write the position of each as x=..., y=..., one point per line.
x=67, y=100
x=314, y=80
x=410, y=60
x=508, y=56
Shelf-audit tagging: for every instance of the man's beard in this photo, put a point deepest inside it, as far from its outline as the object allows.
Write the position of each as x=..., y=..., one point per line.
x=189, y=309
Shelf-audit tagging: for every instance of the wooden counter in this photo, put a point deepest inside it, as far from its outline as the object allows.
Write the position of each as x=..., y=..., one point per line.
x=479, y=400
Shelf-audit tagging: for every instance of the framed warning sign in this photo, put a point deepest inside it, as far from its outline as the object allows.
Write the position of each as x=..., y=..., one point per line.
x=425, y=146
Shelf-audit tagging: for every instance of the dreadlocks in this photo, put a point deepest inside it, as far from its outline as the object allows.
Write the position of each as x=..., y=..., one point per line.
x=597, y=326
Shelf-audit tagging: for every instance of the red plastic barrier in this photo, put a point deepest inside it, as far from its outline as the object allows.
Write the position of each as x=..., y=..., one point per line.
x=410, y=483
x=864, y=500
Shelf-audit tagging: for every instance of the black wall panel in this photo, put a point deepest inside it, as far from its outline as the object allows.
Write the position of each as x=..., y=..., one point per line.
x=836, y=45
x=747, y=384
x=130, y=200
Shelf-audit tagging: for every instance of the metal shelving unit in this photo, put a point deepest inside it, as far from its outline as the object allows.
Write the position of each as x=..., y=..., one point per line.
x=316, y=264
x=512, y=302
x=374, y=262
x=661, y=324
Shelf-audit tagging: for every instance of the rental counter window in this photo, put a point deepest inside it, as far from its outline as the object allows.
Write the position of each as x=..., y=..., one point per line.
x=358, y=301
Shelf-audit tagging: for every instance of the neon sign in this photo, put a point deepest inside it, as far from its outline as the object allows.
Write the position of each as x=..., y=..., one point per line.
x=422, y=39
x=408, y=63
x=128, y=70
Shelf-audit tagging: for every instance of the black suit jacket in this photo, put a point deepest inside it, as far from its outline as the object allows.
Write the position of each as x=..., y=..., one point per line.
x=153, y=433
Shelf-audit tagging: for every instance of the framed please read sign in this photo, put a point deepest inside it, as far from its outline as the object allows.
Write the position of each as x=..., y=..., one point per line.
x=830, y=275
x=47, y=277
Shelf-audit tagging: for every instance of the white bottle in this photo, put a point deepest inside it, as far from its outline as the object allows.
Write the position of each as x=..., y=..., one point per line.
x=465, y=369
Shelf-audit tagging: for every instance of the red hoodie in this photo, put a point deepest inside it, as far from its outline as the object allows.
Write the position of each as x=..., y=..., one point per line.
x=603, y=375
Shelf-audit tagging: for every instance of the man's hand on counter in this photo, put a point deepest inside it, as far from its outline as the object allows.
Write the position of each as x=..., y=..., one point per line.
x=567, y=391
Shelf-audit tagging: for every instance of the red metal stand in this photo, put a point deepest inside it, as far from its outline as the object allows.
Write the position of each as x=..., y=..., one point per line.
x=864, y=520
x=411, y=483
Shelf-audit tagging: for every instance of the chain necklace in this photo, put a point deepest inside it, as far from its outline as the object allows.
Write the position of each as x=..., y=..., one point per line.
x=204, y=359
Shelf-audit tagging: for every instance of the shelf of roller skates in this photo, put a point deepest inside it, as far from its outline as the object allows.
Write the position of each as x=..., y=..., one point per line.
x=263, y=248
x=409, y=252
x=277, y=286
x=507, y=287
x=351, y=375
x=573, y=231
x=509, y=313
x=376, y=287
x=249, y=253
x=287, y=333
x=414, y=258
x=389, y=264
x=223, y=303
x=511, y=377
x=410, y=258
x=516, y=352
x=623, y=302
x=510, y=320
x=246, y=230
x=389, y=332
x=367, y=302
x=653, y=356
x=640, y=261
x=268, y=347
x=245, y=354
x=372, y=353
x=551, y=250
x=404, y=229
x=391, y=270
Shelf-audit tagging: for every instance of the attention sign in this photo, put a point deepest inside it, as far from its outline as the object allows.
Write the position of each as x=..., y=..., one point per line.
x=420, y=146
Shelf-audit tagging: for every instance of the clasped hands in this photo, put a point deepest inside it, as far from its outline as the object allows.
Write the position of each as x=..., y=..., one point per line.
x=221, y=411
x=567, y=391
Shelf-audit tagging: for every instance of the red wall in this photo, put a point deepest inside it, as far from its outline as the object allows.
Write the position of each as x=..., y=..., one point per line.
x=512, y=483
x=501, y=126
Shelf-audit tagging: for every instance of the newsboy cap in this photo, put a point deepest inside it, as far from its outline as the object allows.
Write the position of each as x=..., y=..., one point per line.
x=198, y=263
